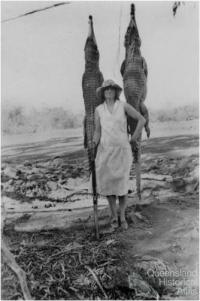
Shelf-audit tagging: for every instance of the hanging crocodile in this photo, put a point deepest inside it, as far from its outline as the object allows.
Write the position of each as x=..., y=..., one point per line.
x=134, y=72
x=91, y=80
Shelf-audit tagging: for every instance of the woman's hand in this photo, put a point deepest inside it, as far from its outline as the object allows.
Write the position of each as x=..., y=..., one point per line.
x=137, y=116
x=134, y=141
x=93, y=149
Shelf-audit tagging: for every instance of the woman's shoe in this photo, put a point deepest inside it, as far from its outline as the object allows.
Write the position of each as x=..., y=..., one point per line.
x=124, y=225
x=114, y=224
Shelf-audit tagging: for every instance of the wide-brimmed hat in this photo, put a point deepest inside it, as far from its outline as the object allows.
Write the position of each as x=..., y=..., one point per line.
x=108, y=83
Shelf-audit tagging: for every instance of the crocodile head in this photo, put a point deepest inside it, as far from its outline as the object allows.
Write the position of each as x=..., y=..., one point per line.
x=91, y=49
x=132, y=40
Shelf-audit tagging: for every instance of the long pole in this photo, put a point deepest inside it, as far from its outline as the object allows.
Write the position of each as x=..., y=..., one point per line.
x=95, y=199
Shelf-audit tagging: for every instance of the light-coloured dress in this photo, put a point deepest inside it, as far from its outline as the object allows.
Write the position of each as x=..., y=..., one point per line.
x=114, y=156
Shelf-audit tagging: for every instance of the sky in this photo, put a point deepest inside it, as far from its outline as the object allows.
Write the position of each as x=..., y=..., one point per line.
x=43, y=54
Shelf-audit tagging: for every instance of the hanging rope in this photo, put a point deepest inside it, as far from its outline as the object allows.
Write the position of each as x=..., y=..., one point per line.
x=116, y=64
x=35, y=11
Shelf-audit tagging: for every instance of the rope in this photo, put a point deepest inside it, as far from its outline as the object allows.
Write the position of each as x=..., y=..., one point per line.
x=35, y=11
x=116, y=64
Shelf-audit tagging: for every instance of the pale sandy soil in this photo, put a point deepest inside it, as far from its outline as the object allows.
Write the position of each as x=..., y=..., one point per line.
x=165, y=230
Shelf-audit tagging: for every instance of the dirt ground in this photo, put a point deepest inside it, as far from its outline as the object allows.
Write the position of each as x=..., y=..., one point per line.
x=50, y=230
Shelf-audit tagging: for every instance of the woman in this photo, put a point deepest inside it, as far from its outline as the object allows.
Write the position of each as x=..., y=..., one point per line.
x=114, y=156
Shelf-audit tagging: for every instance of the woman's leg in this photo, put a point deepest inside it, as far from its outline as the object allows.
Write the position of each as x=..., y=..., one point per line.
x=113, y=206
x=122, y=208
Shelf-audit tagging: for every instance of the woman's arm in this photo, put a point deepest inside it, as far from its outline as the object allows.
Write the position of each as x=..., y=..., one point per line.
x=135, y=115
x=97, y=128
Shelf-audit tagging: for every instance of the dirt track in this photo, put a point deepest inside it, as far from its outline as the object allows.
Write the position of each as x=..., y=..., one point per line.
x=165, y=229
